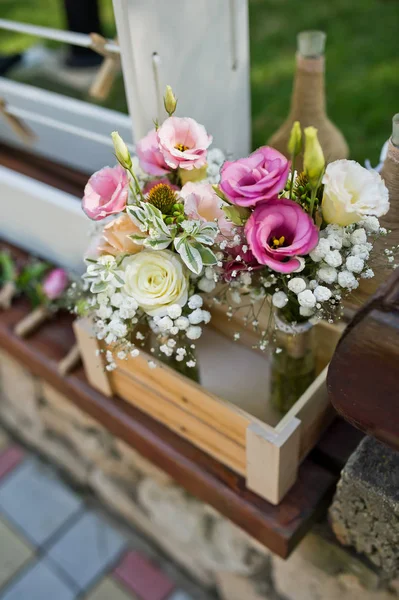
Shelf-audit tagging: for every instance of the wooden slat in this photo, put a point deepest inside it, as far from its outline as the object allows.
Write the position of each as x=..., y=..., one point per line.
x=228, y=418
x=182, y=422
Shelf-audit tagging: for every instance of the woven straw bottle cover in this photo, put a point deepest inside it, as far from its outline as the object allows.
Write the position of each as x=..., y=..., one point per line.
x=390, y=174
x=308, y=104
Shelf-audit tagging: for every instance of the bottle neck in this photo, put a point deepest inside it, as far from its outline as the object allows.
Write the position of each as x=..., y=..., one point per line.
x=308, y=97
x=390, y=175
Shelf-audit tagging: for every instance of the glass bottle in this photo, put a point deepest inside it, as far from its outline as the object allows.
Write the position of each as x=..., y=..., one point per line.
x=308, y=103
x=293, y=364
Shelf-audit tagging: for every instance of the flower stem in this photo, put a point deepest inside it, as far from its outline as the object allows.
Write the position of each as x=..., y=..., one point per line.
x=138, y=191
x=312, y=201
x=292, y=174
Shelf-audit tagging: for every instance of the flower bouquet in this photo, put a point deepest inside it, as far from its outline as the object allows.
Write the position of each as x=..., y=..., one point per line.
x=152, y=260
x=306, y=240
x=181, y=226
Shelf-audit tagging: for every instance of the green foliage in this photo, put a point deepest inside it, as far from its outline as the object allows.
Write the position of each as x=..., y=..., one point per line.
x=29, y=281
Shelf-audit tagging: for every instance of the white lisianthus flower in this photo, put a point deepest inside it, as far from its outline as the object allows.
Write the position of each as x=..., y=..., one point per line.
x=182, y=323
x=359, y=236
x=371, y=224
x=346, y=279
x=322, y=293
x=279, y=299
x=195, y=302
x=307, y=299
x=327, y=274
x=305, y=312
x=156, y=280
x=194, y=332
x=351, y=193
x=174, y=311
x=321, y=250
x=206, y=285
x=354, y=264
x=333, y=258
x=297, y=285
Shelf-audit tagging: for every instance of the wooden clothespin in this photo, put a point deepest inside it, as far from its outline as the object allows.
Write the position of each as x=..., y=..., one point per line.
x=32, y=321
x=17, y=125
x=111, y=65
x=70, y=361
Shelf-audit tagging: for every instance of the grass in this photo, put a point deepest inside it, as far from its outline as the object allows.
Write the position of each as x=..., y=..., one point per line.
x=362, y=61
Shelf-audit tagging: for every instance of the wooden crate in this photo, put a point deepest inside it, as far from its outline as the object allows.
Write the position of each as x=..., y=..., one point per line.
x=229, y=415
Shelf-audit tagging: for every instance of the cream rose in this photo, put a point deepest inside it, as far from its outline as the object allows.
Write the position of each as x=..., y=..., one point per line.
x=351, y=193
x=156, y=279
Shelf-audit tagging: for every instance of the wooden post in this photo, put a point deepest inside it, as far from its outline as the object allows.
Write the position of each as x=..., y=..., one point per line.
x=202, y=51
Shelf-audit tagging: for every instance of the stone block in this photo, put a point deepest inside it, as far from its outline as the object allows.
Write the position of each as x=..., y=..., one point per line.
x=365, y=510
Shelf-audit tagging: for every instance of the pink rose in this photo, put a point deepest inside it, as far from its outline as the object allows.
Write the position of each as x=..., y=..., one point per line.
x=106, y=193
x=183, y=143
x=203, y=204
x=279, y=230
x=150, y=157
x=55, y=284
x=148, y=186
x=261, y=176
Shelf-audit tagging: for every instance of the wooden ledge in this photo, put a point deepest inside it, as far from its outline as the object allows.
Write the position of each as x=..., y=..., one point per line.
x=279, y=528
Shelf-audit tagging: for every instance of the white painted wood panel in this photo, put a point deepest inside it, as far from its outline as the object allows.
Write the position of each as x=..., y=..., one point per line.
x=203, y=53
x=43, y=220
x=63, y=146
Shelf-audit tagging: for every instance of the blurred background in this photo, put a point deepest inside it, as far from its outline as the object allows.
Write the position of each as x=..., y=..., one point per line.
x=361, y=72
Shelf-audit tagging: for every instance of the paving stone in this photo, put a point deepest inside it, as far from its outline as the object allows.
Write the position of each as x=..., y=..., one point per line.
x=4, y=440
x=109, y=590
x=14, y=552
x=143, y=577
x=10, y=458
x=87, y=549
x=38, y=582
x=34, y=499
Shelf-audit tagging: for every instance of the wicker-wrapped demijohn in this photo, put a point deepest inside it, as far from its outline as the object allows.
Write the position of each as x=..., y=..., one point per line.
x=308, y=104
x=378, y=258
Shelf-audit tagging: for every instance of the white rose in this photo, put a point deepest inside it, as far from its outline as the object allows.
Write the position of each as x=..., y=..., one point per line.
x=351, y=193
x=327, y=274
x=359, y=236
x=322, y=293
x=346, y=279
x=354, y=264
x=333, y=258
x=156, y=279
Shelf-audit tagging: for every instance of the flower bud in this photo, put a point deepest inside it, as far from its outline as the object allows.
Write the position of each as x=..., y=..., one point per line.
x=121, y=151
x=295, y=141
x=313, y=160
x=169, y=101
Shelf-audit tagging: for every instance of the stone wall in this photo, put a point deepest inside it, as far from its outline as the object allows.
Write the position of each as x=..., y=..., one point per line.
x=213, y=550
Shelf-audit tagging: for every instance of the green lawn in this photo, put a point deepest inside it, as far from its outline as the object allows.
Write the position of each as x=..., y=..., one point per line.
x=362, y=60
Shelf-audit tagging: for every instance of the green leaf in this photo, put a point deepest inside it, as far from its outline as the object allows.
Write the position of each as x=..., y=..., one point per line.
x=7, y=268
x=138, y=239
x=97, y=288
x=205, y=239
x=237, y=214
x=190, y=256
x=219, y=193
x=207, y=256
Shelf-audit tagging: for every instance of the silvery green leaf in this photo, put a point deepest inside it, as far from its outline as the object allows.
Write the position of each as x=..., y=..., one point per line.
x=138, y=239
x=157, y=244
x=118, y=278
x=98, y=287
x=207, y=256
x=191, y=257
x=204, y=239
x=161, y=225
x=137, y=215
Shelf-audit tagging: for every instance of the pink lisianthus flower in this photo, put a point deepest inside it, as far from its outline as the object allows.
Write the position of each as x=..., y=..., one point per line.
x=203, y=204
x=278, y=231
x=183, y=143
x=259, y=177
x=106, y=193
x=150, y=157
x=151, y=184
x=55, y=284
